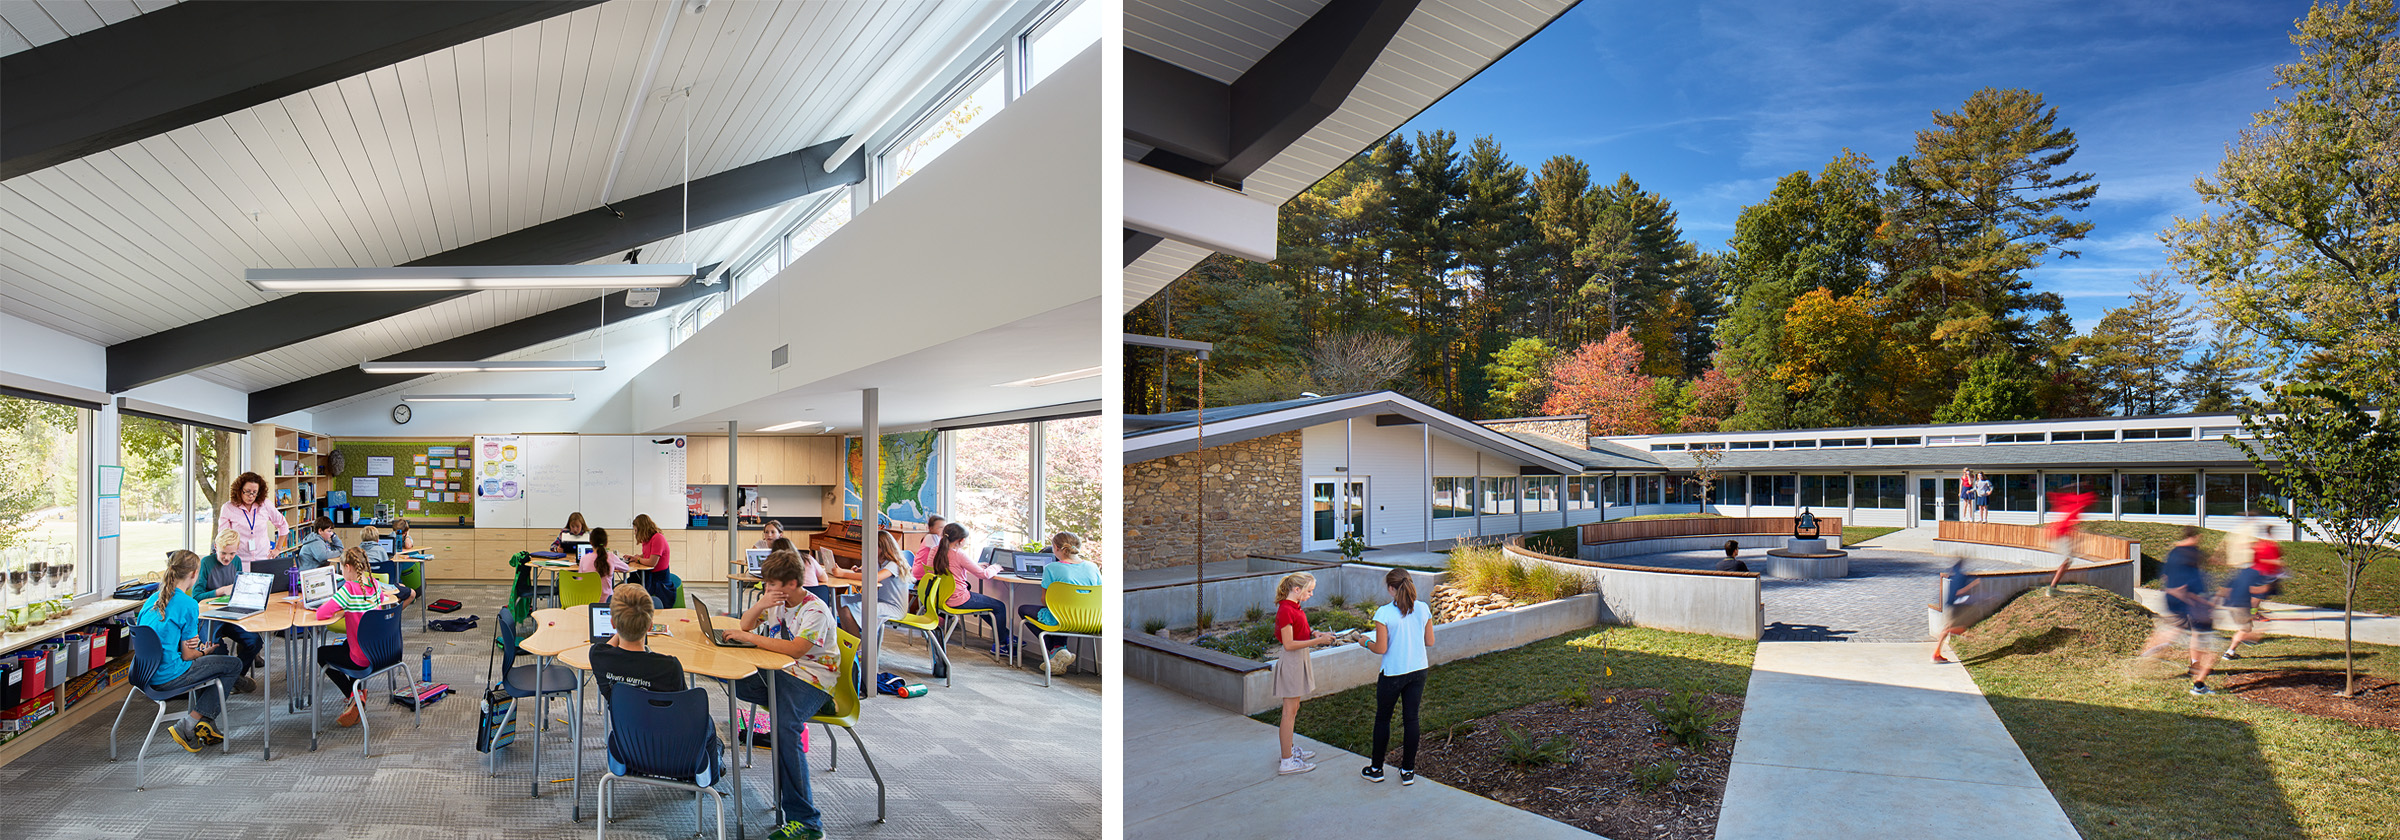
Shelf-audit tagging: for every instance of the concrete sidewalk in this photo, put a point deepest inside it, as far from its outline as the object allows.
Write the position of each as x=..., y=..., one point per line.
x=2296, y=620
x=1846, y=740
x=1196, y=771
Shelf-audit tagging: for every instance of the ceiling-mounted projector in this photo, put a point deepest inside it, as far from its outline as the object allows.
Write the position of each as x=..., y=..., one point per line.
x=641, y=298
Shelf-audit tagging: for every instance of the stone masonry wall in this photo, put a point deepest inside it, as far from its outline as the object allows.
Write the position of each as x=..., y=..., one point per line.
x=1572, y=431
x=1254, y=498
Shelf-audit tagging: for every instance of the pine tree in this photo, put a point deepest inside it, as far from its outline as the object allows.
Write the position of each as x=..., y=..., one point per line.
x=2216, y=380
x=1980, y=203
x=1997, y=388
x=2137, y=350
x=1519, y=377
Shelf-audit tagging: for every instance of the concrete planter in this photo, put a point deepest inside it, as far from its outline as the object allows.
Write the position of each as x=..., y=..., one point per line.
x=1248, y=687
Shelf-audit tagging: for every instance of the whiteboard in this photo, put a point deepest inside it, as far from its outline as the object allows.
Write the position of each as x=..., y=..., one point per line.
x=554, y=480
x=658, y=480
x=607, y=484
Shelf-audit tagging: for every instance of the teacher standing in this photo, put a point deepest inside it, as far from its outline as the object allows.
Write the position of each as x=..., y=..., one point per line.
x=248, y=515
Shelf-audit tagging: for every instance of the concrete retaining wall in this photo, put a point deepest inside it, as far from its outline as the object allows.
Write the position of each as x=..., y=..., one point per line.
x=1993, y=589
x=1229, y=597
x=2029, y=557
x=1248, y=687
x=1715, y=603
x=1632, y=548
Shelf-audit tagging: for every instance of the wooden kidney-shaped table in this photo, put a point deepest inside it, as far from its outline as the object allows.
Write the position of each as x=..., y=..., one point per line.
x=566, y=635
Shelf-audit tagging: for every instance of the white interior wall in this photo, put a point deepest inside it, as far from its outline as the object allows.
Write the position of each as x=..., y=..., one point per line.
x=43, y=353
x=1002, y=227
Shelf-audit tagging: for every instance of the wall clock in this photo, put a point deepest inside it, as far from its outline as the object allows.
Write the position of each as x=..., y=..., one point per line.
x=400, y=413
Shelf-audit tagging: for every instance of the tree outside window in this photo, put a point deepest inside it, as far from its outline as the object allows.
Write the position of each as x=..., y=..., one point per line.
x=1071, y=480
x=991, y=490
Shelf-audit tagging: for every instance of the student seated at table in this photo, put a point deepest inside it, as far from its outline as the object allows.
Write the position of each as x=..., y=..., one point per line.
x=319, y=546
x=371, y=541
x=650, y=561
x=575, y=529
x=400, y=528
x=218, y=572
x=1070, y=570
x=355, y=596
x=627, y=658
x=946, y=558
x=774, y=531
x=790, y=621
x=812, y=573
x=892, y=584
x=175, y=617
x=602, y=559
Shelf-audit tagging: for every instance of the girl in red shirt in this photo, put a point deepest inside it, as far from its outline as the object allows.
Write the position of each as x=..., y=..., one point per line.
x=1293, y=682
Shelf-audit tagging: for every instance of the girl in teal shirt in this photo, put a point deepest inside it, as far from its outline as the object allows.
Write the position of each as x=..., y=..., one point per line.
x=175, y=616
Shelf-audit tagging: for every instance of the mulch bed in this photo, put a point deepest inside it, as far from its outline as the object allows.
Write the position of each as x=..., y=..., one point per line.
x=1595, y=790
x=2316, y=693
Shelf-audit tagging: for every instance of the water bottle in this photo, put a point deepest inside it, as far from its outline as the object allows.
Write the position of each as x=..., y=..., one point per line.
x=427, y=676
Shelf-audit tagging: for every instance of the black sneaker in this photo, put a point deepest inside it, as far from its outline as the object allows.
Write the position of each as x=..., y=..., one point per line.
x=1408, y=777
x=1371, y=773
x=2202, y=690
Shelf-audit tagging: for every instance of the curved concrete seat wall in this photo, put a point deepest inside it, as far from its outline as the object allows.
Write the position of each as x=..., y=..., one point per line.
x=1993, y=589
x=1688, y=601
x=1829, y=527
x=1605, y=551
x=2111, y=563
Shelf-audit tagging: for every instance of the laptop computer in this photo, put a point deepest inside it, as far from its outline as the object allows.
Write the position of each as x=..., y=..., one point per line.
x=1029, y=564
x=277, y=569
x=250, y=592
x=715, y=635
x=757, y=558
x=316, y=586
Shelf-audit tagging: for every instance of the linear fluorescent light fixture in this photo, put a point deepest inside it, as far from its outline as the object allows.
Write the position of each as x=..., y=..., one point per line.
x=436, y=278
x=470, y=367
x=789, y=426
x=1052, y=379
x=487, y=397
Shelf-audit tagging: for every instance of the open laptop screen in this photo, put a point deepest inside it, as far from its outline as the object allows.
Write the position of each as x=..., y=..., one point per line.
x=316, y=585
x=250, y=590
x=757, y=558
x=602, y=628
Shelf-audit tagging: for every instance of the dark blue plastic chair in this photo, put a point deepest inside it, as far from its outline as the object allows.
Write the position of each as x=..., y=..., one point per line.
x=665, y=740
x=147, y=654
x=379, y=638
x=520, y=681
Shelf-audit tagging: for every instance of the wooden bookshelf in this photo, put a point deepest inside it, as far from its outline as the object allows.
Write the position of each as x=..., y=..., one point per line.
x=298, y=467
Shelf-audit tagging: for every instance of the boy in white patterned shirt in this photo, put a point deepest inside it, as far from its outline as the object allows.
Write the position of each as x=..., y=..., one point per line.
x=789, y=620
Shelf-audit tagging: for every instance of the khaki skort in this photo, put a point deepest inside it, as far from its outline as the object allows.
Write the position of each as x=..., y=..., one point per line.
x=1292, y=675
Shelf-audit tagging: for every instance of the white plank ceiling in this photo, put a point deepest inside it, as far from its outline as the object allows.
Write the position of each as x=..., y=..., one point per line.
x=1445, y=43
x=436, y=152
x=25, y=24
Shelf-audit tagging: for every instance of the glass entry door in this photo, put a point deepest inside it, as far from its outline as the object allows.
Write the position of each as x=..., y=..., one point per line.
x=1326, y=510
x=1937, y=500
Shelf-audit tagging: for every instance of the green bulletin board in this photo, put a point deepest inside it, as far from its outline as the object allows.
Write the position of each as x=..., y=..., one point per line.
x=407, y=457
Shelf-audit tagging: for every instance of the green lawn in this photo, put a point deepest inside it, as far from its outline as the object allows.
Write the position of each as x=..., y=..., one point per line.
x=1855, y=534
x=1608, y=657
x=2316, y=576
x=2131, y=756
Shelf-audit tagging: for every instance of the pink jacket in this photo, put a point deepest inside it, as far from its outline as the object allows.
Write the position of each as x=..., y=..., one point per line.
x=257, y=527
x=326, y=610
x=966, y=571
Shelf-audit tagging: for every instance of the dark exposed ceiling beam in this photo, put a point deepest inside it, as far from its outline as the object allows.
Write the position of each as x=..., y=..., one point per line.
x=347, y=382
x=1206, y=130
x=585, y=236
x=194, y=62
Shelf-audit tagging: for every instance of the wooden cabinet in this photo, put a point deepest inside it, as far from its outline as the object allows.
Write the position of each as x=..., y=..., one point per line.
x=766, y=459
x=704, y=460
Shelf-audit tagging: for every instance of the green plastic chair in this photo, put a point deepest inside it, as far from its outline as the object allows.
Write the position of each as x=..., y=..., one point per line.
x=1077, y=609
x=942, y=603
x=843, y=712
x=578, y=588
x=925, y=621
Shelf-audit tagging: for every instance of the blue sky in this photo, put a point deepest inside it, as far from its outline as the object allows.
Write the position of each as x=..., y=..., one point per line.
x=1708, y=104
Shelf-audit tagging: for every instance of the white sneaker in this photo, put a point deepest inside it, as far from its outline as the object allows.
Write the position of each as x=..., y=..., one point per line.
x=1293, y=765
x=1060, y=659
x=1302, y=754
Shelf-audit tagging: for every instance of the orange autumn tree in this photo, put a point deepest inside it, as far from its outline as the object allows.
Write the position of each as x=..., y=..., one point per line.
x=1604, y=380
x=1842, y=359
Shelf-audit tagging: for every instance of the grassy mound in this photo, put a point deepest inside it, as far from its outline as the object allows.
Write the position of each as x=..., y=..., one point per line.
x=2078, y=621
x=2317, y=574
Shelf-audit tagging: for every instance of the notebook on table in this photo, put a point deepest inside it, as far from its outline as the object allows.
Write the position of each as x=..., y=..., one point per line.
x=715, y=635
x=250, y=592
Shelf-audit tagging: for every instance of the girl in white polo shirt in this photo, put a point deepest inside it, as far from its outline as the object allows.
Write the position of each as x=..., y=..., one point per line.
x=1403, y=630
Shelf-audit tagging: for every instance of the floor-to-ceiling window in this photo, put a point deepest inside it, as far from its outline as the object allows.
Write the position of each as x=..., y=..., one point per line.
x=43, y=520
x=157, y=483
x=996, y=470
x=1071, y=480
